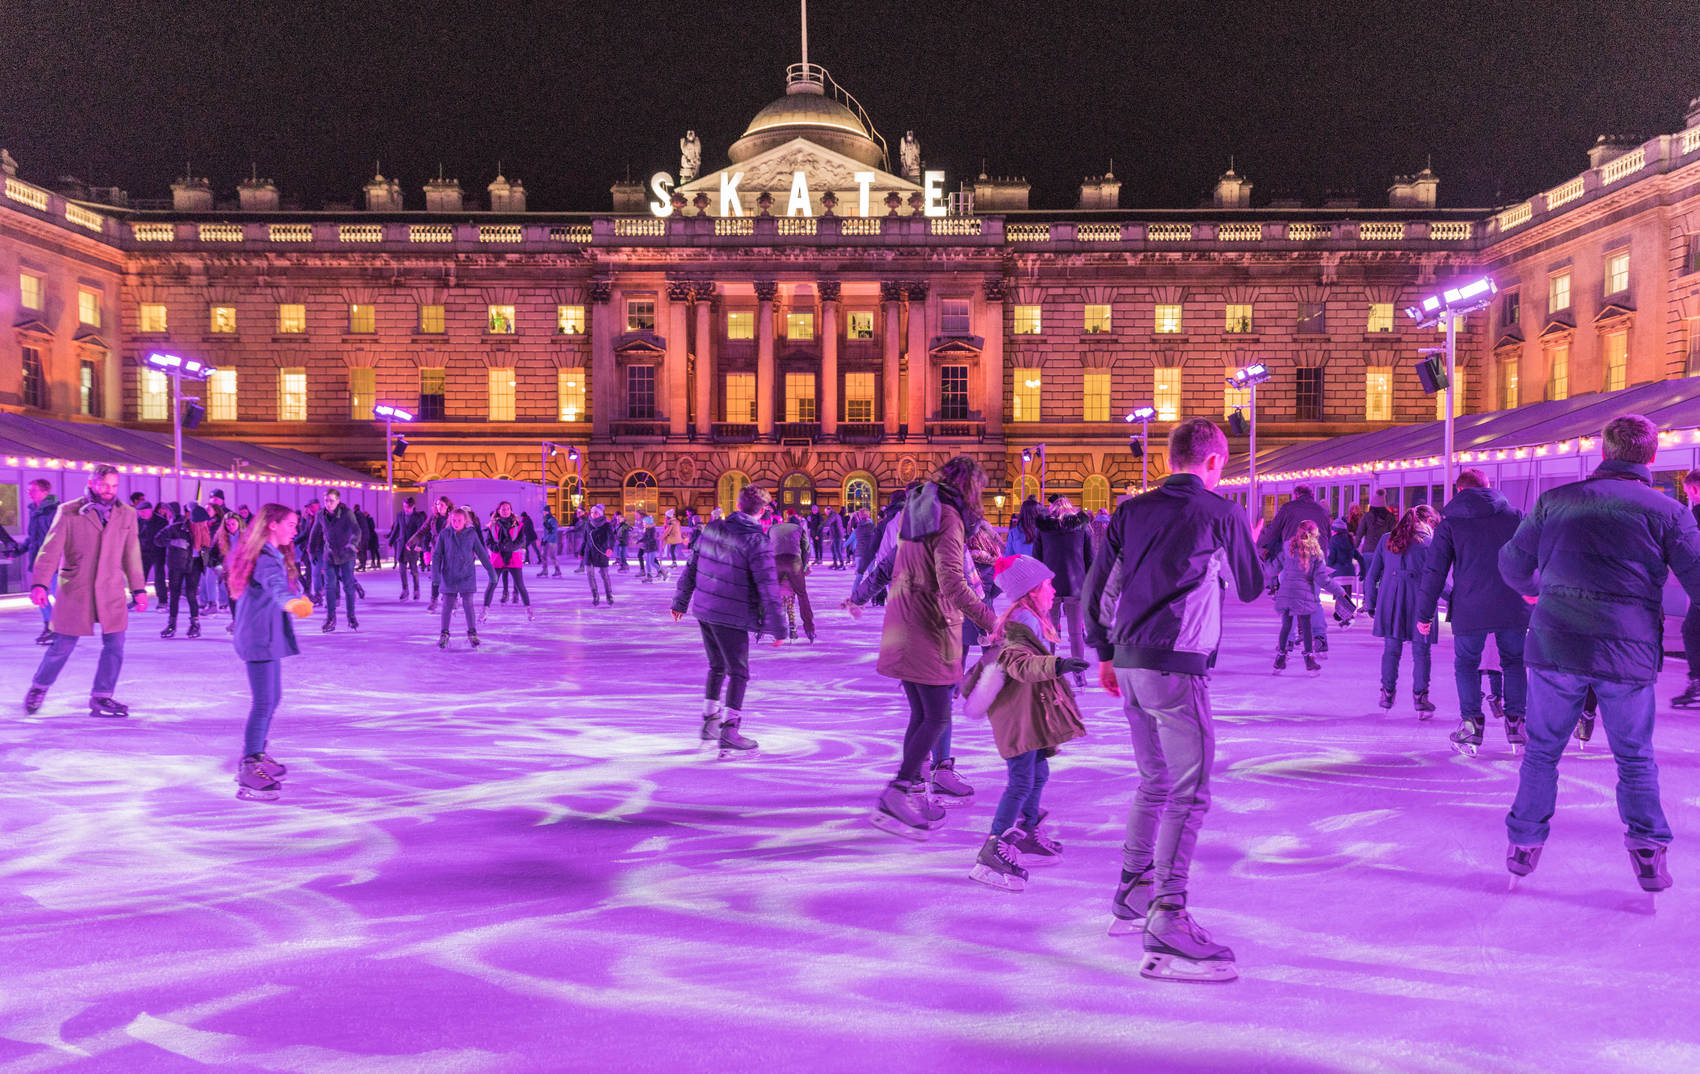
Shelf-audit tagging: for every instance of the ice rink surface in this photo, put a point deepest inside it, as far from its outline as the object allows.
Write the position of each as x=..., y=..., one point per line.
x=515, y=860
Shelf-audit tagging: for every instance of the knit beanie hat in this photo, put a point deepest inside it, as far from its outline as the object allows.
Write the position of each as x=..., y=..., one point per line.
x=1016, y=576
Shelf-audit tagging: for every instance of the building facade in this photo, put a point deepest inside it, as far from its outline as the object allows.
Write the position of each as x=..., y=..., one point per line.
x=820, y=320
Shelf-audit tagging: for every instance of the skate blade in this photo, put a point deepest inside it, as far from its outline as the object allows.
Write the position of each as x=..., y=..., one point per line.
x=994, y=879
x=1160, y=967
x=727, y=754
x=1514, y=883
x=953, y=802
x=885, y=822
x=257, y=796
x=1126, y=927
x=1465, y=749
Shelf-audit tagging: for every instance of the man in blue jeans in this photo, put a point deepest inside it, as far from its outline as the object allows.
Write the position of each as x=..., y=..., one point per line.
x=1592, y=558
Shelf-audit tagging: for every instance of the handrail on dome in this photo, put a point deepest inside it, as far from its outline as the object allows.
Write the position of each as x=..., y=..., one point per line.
x=813, y=74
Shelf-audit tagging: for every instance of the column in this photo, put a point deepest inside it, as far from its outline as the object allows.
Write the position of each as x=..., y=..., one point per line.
x=828, y=291
x=991, y=359
x=920, y=372
x=704, y=295
x=604, y=389
x=891, y=294
x=766, y=291
x=678, y=294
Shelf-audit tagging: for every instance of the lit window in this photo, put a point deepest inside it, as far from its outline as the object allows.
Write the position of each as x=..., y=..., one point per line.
x=89, y=396
x=799, y=326
x=640, y=314
x=1238, y=319
x=1558, y=292
x=433, y=394
x=1097, y=319
x=640, y=391
x=291, y=318
x=292, y=395
x=34, y=386
x=740, y=324
x=861, y=324
x=1508, y=389
x=1233, y=398
x=1313, y=318
x=859, y=396
x=1095, y=493
x=1168, y=319
x=1380, y=317
x=1166, y=393
x=151, y=318
x=1558, y=372
x=1308, y=382
x=569, y=320
x=1378, y=394
x=569, y=392
x=88, y=307
x=31, y=291
x=1617, y=273
x=362, y=392
x=501, y=395
x=362, y=317
x=800, y=397
x=1027, y=321
x=1097, y=397
x=221, y=396
x=1457, y=398
x=1617, y=361
x=155, y=391
x=953, y=393
x=954, y=317
x=1028, y=384
x=501, y=321
x=222, y=320
x=431, y=320
x=740, y=398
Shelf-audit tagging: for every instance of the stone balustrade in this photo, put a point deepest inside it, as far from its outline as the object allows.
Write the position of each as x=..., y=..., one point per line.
x=289, y=232
x=360, y=233
x=1567, y=192
x=82, y=217
x=1624, y=166
x=18, y=190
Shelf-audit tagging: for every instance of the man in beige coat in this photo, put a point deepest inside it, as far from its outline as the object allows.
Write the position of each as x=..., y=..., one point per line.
x=94, y=547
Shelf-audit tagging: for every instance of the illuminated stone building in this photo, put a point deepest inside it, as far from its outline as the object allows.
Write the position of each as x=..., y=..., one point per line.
x=817, y=314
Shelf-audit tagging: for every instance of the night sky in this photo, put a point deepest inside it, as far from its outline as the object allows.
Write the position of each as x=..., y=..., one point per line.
x=567, y=96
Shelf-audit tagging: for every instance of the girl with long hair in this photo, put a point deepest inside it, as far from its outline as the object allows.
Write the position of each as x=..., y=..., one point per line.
x=1394, y=581
x=506, y=538
x=425, y=541
x=1304, y=577
x=262, y=571
x=1023, y=537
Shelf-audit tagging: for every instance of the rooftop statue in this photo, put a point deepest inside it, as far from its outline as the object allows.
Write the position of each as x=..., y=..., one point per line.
x=909, y=152
x=690, y=157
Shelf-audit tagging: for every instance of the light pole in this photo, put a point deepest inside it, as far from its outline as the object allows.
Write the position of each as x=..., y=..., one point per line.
x=177, y=367
x=1143, y=415
x=547, y=451
x=1247, y=378
x=1445, y=309
x=1027, y=456
x=388, y=414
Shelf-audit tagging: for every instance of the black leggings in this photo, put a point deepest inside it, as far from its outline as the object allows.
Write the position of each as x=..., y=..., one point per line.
x=728, y=651
x=1287, y=619
x=186, y=582
x=929, y=715
x=518, y=576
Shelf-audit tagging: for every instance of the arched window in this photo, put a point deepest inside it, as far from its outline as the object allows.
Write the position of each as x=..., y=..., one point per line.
x=641, y=493
x=1025, y=487
x=797, y=491
x=569, y=497
x=1095, y=493
x=861, y=491
x=731, y=483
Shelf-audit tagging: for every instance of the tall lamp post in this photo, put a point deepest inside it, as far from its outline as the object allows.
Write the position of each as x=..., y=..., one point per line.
x=549, y=450
x=1143, y=415
x=177, y=367
x=1246, y=379
x=389, y=415
x=1445, y=309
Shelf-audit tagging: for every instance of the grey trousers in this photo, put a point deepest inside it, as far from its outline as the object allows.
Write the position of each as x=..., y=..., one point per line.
x=1174, y=743
x=1069, y=608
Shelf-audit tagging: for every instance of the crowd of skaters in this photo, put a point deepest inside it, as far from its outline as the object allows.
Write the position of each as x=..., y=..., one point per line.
x=1001, y=620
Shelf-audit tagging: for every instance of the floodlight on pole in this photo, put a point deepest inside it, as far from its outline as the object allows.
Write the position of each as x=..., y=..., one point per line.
x=1144, y=415
x=177, y=367
x=389, y=415
x=1445, y=309
x=1246, y=379
x=550, y=450
x=1028, y=454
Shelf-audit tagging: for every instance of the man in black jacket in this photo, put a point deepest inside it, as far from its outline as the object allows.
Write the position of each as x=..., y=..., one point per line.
x=337, y=535
x=598, y=548
x=1154, y=613
x=1377, y=522
x=402, y=532
x=1474, y=526
x=1065, y=546
x=1593, y=558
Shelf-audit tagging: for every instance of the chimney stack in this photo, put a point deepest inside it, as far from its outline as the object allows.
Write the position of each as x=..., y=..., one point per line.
x=506, y=197
x=1100, y=191
x=383, y=195
x=192, y=195
x=443, y=195
x=1232, y=191
x=1419, y=191
x=256, y=195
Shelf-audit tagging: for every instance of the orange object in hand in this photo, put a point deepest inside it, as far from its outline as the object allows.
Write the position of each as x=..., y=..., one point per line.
x=300, y=607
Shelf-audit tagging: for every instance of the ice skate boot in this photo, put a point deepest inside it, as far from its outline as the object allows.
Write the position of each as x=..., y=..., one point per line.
x=1688, y=699
x=1036, y=847
x=1178, y=949
x=108, y=708
x=949, y=789
x=1516, y=732
x=732, y=744
x=998, y=864
x=1496, y=705
x=1280, y=661
x=432, y=607
x=902, y=810
x=194, y=628
x=45, y=637
x=443, y=640
x=252, y=783
x=1424, y=707
x=1386, y=699
x=170, y=631
x=1467, y=740
x=530, y=614
x=711, y=730
x=353, y=623
x=329, y=627
x=1311, y=664
x=274, y=769
x=472, y=638
x=1521, y=861
x=484, y=614
x=1585, y=727
x=1650, y=871
x=33, y=699
x=1132, y=899
x=403, y=594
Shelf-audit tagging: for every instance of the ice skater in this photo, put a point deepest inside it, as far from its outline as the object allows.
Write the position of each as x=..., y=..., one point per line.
x=730, y=584
x=460, y=548
x=1304, y=577
x=1593, y=558
x=1392, y=585
x=402, y=531
x=337, y=536
x=598, y=538
x=1165, y=555
x=1032, y=714
x=262, y=573
x=506, y=538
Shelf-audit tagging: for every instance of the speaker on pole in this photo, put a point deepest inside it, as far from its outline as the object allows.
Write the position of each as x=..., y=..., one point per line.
x=1237, y=423
x=193, y=412
x=1431, y=374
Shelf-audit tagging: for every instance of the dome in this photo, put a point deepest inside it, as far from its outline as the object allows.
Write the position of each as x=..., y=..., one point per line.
x=807, y=112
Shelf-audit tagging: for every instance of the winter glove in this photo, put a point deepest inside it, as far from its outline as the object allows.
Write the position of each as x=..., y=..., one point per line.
x=300, y=607
x=1344, y=609
x=1069, y=665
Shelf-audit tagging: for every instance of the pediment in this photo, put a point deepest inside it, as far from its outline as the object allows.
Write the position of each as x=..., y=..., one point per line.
x=90, y=339
x=640, y=344
x=1557, y=330
x=956, y=348
x=1509, y=341
x=33, y=326
x=771, y=172
x=1614, y=315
